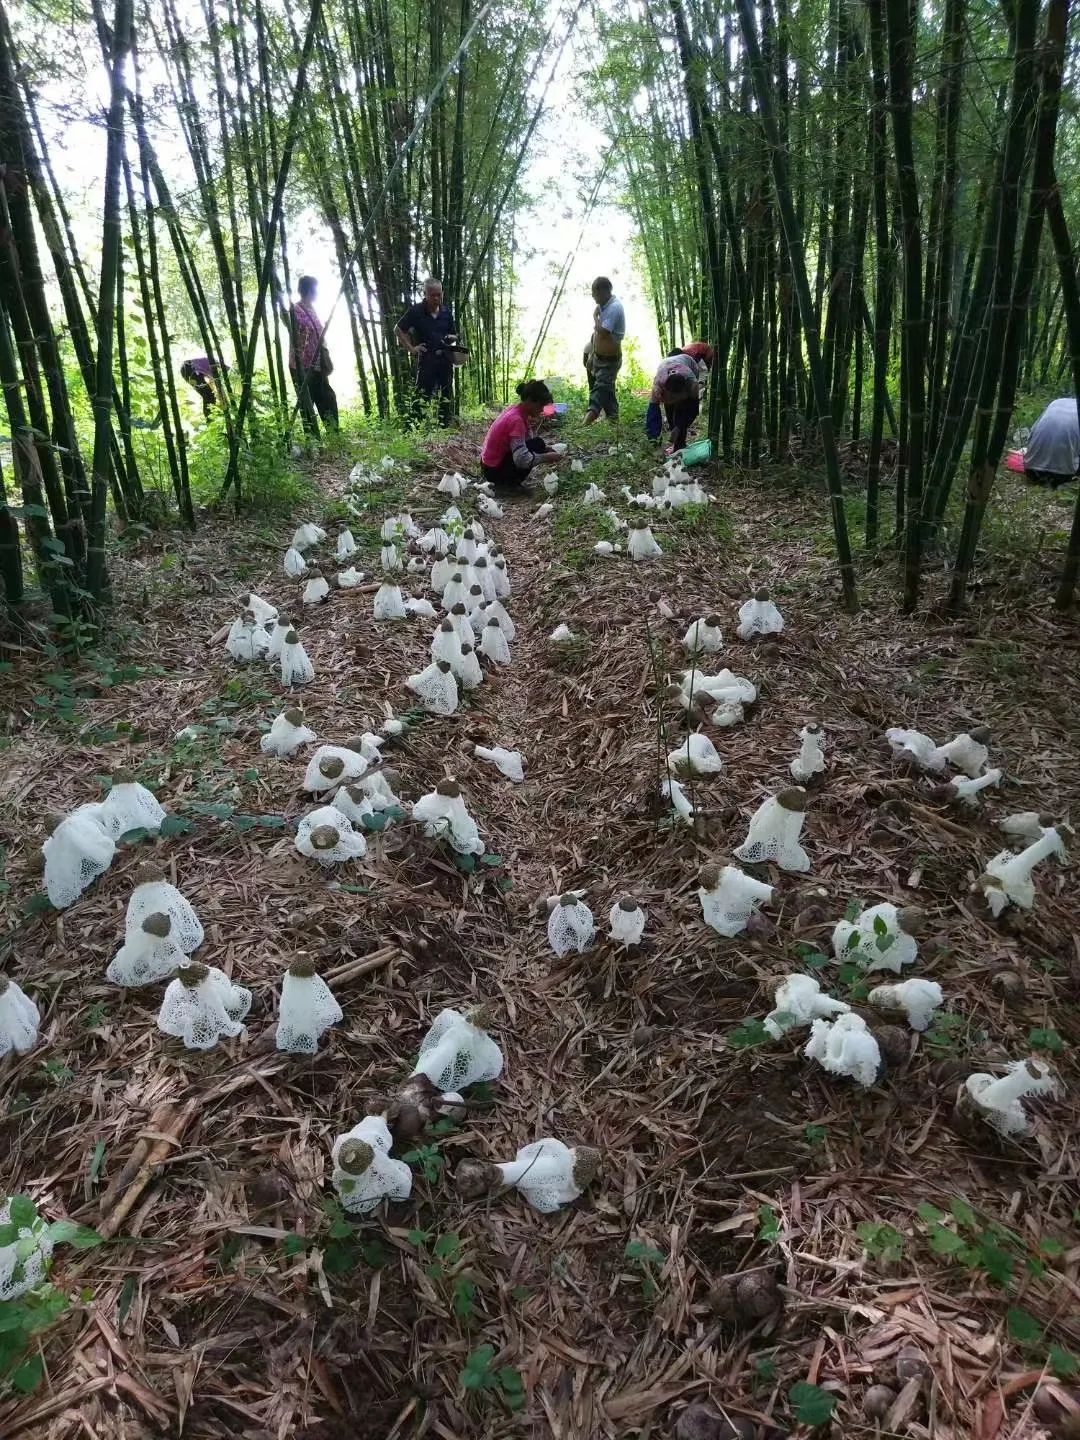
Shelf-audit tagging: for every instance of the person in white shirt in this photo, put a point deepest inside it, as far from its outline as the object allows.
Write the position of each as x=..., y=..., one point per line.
x=1052, y=456
x=603, y=354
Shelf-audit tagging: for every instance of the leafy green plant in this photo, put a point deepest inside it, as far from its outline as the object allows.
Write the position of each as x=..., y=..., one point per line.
x=943, y=1035
x=428, y=1161
x=811, y=1404
x=810, y=956
x=480, y=1376
x=768, y=1225
x=27, y=1316
x=748, y=1035
x=1046, y=1039
x=645, y=1257
x=880, y=1241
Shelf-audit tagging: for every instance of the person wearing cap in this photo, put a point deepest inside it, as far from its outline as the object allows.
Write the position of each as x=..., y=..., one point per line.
x=512, y=449
x=1052, y=455
x=428, y=332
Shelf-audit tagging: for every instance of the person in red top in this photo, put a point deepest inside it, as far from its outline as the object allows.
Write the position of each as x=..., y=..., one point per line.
x=699, y=350
x=511, y=448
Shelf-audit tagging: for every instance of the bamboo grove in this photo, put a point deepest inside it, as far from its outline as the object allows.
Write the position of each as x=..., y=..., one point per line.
x=864, y=204
x=866, y=207
x=394, y=130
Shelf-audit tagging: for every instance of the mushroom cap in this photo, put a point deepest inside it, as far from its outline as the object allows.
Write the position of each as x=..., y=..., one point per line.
x=449, y=788
x=500, y=563
x=291, y=638
x=466, y=649
x=911, y=919
x=331, y=766
x=480, y=562
x=149, y=874
x=157, y=925
x=761, y=594
x=284, y=622
x=713, y=622
x=628, y=905
x=193, y=974
x=812, y=727
x=568, y=899
x=324, y=837
x=878, y=1401
x=468, y=535
x=53, y=819
x=493, y=622
x=355, y=1157
x=586, y=1165
x=757, y=1295
x=354, y=743
x=709, y=877
x=794, y=798
x=474, y=1178
x=446, y=627
x=981, y=733
x=122, y=776
x=456, y=578
x=475, y=590
x=302, y=967
x=356, y=794
x=639, y=525
x=458, y=609
x=294, y=716
x=443, y=666
x=4, y=983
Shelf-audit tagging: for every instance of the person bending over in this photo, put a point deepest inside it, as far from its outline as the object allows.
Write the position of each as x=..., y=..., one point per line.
x=676, y=388
x=511, y=448
x=309, y=359
x=205, y=376
x=1052, y=456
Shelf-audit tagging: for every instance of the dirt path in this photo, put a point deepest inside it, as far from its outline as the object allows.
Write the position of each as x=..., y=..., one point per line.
x=237, y=1296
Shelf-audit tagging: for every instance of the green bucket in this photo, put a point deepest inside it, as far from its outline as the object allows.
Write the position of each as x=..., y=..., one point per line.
x=700, y=453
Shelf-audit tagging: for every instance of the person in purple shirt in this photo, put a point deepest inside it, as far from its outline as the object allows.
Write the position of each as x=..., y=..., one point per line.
x=428, y=332
x=205, y=376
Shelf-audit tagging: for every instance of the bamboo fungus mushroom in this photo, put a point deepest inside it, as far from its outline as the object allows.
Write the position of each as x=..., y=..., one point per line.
x=457, y=1052
x=570, y=926
x=327, y=835
x=547, y=1173
x=626, y=920
x=444, y=816
x=307, y=1008
x=79, y=849
x=149, y=952
x=882, y=937
x=810, y=760
x=19, y=1020
x=287, y=733
x=759, y=616
x=365, y=1174
x=997, y=1100
x=202, y=1005
x=296, y=668
x=154, y=895
x=774, y=832
x=729, y=898
x=1007, y=879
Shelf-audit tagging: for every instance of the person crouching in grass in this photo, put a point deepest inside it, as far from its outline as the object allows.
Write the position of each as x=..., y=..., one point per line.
x=512, y=449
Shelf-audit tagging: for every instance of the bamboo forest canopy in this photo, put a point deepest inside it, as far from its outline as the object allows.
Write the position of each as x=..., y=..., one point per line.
x=868, y=208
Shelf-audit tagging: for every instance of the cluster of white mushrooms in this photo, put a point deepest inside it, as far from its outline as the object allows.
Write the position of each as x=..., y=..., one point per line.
x=469, y=579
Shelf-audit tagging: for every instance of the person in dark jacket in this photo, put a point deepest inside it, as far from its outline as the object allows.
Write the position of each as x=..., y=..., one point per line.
x=428, y=332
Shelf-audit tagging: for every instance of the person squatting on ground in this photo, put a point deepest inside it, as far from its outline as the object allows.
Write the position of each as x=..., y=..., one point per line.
x=428, y=332
x=677, y=388
x=603, y=354
x=204, y=376
x=309, y=360
x=1052, y=456
x=511, y=448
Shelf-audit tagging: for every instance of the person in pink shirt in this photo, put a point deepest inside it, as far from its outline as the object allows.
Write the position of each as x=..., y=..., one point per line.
x=512, y=449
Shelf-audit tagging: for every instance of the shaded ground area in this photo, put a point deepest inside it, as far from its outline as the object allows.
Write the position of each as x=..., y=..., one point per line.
x=235, y=1300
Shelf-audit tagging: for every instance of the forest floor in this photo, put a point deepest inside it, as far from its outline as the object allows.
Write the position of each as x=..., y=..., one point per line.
x=232, y=1298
